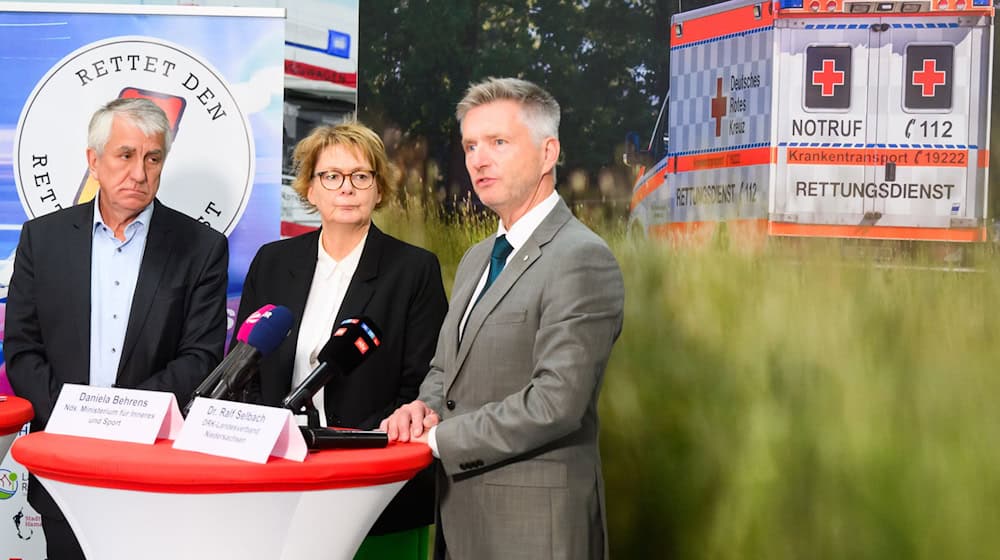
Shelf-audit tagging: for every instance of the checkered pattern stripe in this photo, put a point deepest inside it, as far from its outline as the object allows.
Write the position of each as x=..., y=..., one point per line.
x=695, y=71
x=909, y=25
x=918, y=25
x=814, y=26
x=881, y=145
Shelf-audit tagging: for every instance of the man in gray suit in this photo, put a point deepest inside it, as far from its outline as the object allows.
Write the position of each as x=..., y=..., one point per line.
x=510, y=403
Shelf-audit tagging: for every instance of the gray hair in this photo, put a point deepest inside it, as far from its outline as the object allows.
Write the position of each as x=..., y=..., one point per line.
x=141, y=113
x=540, y=109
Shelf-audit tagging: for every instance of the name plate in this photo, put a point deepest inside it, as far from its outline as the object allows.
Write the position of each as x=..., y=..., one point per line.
x=248, y=432
x=118, y=414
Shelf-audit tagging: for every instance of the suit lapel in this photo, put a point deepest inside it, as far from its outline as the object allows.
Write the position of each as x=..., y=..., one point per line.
x=359, y=291
x=156, y=255
x=463, y=290
x=300, y=266
x=522, y=260
x=295, y=271
x=362, y=285
x=78, y=249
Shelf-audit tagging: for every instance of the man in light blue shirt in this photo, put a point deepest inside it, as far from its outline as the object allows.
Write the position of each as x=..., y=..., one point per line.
x=120, y=290
x=113, y=274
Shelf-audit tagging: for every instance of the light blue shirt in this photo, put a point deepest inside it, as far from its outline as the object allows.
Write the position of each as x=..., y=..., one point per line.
x=114, y=271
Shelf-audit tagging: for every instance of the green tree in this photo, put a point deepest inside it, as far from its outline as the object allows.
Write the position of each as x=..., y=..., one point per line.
x=604, y=60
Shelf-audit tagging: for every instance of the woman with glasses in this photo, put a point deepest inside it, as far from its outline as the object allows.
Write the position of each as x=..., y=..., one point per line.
x=349, y=268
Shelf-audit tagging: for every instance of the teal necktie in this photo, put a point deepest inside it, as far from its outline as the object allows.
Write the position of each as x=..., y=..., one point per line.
x=498, y=259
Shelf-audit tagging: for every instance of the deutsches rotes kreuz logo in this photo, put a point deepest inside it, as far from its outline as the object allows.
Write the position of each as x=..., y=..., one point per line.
x=209, y=171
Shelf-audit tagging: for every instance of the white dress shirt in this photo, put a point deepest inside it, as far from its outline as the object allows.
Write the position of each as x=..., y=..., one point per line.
x=326, y=294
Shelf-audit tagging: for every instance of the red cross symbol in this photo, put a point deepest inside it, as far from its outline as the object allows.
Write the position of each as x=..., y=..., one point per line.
x=929, y=78
x=719, y=109
x=828, y=78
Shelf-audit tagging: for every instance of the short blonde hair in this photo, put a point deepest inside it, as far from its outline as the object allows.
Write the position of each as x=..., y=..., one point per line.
x=350, y=135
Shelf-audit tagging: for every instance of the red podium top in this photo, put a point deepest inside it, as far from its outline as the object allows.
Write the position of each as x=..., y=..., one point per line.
x=161, y=468
x=14, y=412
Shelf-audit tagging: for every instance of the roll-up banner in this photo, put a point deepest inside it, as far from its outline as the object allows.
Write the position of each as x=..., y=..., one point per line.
x=217, y=72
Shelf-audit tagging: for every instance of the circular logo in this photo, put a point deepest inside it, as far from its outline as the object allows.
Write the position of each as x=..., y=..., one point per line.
x=8, y=484
x=209, y=171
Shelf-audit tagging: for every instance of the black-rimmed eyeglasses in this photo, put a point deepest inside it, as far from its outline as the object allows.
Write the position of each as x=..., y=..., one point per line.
x=334, y=180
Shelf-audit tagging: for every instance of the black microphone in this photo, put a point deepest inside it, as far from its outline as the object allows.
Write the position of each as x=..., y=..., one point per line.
x=325, y=438
x=352, y=342
x=259, y=335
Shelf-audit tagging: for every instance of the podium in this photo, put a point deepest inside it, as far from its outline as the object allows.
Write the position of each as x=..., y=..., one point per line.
x=14, y=413
x=128, y=500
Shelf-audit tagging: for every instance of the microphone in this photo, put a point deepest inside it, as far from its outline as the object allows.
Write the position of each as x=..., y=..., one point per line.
x=325, y=438
x=259, y=335
x=263, y=331
x=352, y=342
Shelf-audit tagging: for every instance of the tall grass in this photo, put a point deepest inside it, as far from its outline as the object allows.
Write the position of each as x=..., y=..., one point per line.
x=428, y=225
x=774, y=406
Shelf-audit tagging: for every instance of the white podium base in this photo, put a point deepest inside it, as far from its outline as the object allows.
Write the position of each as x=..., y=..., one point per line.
x=116, y=524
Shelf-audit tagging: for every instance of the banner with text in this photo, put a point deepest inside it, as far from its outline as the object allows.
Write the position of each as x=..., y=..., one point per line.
x=217, y=72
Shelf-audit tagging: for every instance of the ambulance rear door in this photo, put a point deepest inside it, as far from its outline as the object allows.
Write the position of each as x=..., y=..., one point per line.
x=824, y=102
x=931, y=122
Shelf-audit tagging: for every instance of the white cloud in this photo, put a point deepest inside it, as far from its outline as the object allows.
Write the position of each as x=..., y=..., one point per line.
x=255, y=95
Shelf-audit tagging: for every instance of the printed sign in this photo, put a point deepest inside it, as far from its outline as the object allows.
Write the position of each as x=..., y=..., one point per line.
x=828, y=78
x=20, y=526
x=197, y=99
x=248, y=432
x=928, y=76
x=117, y=414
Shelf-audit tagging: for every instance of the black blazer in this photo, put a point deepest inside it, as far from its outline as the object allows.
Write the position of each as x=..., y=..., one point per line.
x=177, y=324
x=399, y=287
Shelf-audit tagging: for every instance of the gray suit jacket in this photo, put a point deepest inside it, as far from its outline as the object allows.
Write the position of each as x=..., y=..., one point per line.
x=521, y=470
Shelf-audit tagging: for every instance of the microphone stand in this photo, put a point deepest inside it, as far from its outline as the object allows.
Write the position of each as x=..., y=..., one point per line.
x=310, y=412
x=312, y=415
x=318, y=438
x=239, y=390
x=234, y=393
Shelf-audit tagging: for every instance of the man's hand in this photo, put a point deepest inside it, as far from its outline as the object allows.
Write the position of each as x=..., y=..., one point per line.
x=410, y=421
